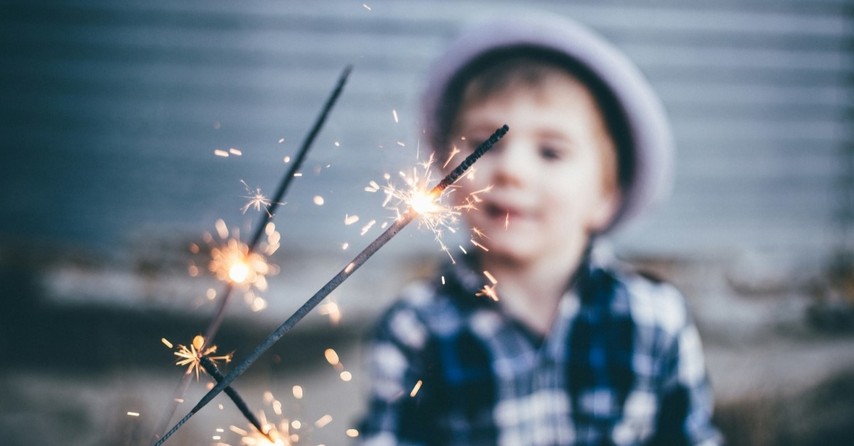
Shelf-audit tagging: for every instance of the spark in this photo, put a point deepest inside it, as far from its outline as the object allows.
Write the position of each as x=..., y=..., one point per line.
x=488, y=290
x=490, y=277
x=235, y=151
x=256, y=199
x=332, y=310
x=368, y=227
x=166, y=343
x=346, y=376
x=475, y=243
x=352, y=433
x=372, y=187
x=221, y=153
x=331, y=356
x=365, y=5
x=415, y=389
x=394, y=113
x=454, y=152
x=323, y=421
x=281, y=140
x=191, y=356
x=297, y=391
x=133, y=414
x=318, y=200
x=350, y=219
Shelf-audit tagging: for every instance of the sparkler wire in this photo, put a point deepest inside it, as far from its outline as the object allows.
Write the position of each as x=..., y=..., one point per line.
x=213, y=370
x=219, y=315
x=339, y=278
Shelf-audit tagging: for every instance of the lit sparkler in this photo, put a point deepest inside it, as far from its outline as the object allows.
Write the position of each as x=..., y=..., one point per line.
x=234, y=263
x=192, y=356
x=337, y=280
x=262, y=226
x=433, y=209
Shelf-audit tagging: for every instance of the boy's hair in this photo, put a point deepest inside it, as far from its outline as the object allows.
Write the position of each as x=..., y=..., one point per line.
x=531, y=68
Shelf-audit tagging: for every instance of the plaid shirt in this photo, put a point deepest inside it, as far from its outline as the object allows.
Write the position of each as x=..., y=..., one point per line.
x=621, y=365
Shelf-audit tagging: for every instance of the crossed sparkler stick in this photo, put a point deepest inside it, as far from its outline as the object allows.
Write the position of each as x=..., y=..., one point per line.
x=224, y=382
x=219, y=315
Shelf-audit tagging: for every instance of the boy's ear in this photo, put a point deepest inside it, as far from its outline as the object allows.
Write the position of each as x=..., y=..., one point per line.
x=605, y=209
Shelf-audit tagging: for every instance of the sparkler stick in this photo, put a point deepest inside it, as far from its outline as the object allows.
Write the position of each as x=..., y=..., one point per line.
x=333, y=283
x=213, y=370
x=219, y=315
x=213, y=328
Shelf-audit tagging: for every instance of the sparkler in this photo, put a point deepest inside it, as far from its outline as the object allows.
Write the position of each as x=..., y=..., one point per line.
x=436, y=215
x=193, y=355
x=284, y=185
x=337, y=280
x=210, y=367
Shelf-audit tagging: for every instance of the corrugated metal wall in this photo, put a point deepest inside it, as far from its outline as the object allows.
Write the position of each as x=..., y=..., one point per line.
x=110, y=113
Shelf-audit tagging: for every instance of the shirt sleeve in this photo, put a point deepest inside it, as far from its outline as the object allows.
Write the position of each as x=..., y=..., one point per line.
x=398, y=407
x=685, y=415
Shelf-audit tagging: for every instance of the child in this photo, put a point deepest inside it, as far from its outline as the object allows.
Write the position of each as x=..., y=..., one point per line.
x=575, y=350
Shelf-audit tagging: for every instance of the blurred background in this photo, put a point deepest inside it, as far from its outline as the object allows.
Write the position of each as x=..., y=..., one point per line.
x=115, y=117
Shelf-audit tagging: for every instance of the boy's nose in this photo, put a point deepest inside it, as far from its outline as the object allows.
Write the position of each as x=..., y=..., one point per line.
x=512, y=164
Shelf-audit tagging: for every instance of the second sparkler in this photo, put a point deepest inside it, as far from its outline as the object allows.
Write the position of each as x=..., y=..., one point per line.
x=401, y=222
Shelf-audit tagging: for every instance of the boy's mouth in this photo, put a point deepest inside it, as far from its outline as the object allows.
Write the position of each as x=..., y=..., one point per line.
x=497, y=211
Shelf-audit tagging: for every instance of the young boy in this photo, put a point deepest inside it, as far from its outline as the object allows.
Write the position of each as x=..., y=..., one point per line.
x=575, y=350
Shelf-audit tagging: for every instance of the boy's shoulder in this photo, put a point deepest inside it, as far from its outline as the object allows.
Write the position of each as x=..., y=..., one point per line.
x=651, y=300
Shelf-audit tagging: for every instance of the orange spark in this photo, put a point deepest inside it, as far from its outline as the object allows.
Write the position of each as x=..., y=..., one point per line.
x=191, y=356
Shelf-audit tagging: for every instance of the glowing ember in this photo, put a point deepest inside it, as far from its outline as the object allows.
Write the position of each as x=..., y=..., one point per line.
x=192, y=355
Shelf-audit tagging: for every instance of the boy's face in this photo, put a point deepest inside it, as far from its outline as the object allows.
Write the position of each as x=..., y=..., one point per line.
x=552, y=175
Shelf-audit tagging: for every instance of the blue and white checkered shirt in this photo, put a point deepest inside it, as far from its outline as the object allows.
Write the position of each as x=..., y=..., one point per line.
x=621, y=365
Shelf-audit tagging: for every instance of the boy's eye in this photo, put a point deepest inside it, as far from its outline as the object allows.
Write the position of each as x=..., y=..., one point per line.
x=550, y=153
